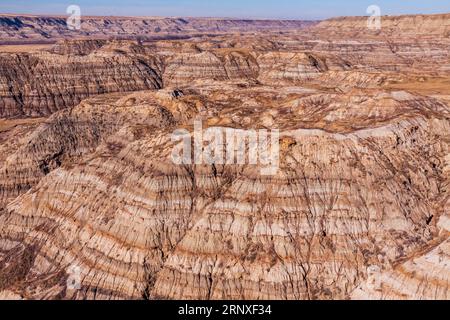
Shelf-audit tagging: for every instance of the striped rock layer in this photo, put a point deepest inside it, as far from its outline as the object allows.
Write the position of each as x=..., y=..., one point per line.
x=129, y=223
x=92, y=205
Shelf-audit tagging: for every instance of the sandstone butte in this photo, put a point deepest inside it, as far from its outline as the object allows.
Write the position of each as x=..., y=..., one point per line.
x=359, y=208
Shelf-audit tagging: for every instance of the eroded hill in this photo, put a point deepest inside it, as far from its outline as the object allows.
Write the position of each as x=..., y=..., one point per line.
x=359, y=207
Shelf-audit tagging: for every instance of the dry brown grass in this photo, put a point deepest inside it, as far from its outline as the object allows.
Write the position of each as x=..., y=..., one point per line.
x=7, y=124
x=424, y=86
x=17, y=48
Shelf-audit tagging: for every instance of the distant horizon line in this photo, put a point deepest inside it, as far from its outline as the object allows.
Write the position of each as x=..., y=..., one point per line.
x=213, y=17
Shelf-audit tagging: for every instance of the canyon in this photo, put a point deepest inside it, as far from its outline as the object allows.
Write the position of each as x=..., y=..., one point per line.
x=358, y=208
x=19, y=28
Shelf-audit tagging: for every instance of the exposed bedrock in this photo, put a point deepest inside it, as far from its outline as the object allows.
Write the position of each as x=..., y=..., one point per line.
x=92, y=205
x=405, y=25
x=39, y=28
x=70, y=134
x=135, y=225
x=38, y=84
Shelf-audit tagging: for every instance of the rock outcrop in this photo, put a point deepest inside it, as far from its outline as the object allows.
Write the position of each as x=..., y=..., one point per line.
x=406, y=25
x=61, y=76
x=92, y=205
x=37, y=84
x=359, y=184
x=40, y=28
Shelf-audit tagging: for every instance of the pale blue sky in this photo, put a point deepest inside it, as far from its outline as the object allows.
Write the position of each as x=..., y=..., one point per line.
x=287, y=9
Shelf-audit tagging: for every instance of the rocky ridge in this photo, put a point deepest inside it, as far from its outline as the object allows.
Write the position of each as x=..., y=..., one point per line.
x=357, y=209
x=40, y=28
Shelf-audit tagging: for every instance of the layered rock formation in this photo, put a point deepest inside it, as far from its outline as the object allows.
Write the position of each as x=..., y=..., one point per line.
x=350, y=193
x=92, y=205
x=38, y=28
x=317, y=58
x=407, y=25
x=36, y=84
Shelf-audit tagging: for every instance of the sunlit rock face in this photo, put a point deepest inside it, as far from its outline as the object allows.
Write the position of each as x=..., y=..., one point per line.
x=92, y=205
x=394, y=26
x=38, y=84
x=37, y=28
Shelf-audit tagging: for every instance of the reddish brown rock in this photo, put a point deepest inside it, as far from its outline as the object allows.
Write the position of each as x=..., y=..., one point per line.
x=357, y=209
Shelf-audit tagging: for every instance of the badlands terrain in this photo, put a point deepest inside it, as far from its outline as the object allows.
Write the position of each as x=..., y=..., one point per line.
x=89, y=195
